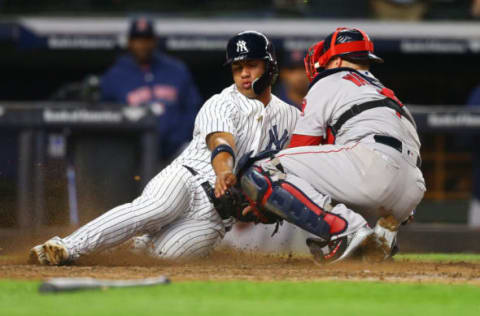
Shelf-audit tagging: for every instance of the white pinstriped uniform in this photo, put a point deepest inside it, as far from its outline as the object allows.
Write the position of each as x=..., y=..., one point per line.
x=173, y=209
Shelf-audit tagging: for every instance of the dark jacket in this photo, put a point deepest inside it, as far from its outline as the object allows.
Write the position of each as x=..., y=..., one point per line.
x=168, y=84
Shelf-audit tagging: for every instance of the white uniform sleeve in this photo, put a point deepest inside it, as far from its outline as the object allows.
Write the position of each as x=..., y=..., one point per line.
x=312, y=121
x=216, y=115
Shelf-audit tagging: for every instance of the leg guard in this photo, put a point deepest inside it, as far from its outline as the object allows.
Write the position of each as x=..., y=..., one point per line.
x=285, y=200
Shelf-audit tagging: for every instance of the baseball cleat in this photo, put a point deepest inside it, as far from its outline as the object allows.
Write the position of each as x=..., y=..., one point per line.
x=321, y=249
x=375, y=249
x=53, y=253
x=56, y=251
x=339, y=249
x=37, y=256
x=386, y=231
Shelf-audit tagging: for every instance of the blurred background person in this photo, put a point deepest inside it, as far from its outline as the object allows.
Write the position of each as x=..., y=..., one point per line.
x=293, y=85
x=142, y=76
x=145, y=76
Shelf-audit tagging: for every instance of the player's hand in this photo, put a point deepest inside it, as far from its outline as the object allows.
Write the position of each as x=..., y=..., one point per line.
x=225, y=180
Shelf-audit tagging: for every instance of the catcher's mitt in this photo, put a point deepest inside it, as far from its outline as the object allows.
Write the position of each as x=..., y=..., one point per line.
x=234, y=202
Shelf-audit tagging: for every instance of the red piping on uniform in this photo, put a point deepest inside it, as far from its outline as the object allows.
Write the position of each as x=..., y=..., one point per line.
x=337, y=224
x=318, y=152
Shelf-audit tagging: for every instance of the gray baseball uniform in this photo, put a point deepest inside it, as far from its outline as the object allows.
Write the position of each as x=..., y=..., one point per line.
x=361, y=173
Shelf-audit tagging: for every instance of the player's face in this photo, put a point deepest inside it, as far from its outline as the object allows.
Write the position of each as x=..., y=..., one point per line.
x=245, y=72
x=142, y=49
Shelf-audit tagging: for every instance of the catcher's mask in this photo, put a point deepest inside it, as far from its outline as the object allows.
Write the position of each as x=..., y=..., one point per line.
x=254, y=45
x=349, y=43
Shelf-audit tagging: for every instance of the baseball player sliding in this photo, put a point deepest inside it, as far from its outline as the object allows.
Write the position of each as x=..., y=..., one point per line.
x=354, y=153
x=175, y=215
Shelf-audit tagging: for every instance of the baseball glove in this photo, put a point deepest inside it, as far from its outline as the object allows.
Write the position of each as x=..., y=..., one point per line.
x=234, y=202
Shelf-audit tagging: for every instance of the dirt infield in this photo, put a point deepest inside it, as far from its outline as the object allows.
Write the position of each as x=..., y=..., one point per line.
x=228, y=264
x=233, y=265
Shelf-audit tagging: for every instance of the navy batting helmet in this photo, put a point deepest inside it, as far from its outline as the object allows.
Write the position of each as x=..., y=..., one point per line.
x=254, y=45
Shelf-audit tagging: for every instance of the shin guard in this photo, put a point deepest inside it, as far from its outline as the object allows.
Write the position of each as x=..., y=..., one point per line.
x=287, y=201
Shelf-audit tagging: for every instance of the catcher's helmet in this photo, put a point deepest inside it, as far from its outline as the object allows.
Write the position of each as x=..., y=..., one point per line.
x=254, y=45
x=349, y=43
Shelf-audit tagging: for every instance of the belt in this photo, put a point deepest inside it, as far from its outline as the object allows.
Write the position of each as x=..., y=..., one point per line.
x=395, y=144
x=209, y=191
x=205, y=185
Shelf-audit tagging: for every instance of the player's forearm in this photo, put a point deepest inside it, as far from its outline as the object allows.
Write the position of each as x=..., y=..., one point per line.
x=223, y=163
x=223, y=158
x=222, y=146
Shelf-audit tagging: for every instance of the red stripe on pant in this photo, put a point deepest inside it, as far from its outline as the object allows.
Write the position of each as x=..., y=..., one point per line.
x=337, y=224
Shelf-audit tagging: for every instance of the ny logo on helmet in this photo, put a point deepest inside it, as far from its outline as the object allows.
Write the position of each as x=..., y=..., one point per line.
x=242, y=47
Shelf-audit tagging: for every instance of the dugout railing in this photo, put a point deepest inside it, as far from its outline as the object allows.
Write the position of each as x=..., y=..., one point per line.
x=34, y=120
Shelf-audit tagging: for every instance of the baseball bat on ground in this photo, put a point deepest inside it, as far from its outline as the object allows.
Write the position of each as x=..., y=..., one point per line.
x=76, y=284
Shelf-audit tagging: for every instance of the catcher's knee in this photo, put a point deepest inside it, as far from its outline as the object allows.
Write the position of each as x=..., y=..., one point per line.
x=290, y=203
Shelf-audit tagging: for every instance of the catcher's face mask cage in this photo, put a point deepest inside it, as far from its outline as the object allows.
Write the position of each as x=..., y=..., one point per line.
x=311, y=60
x=346, y=42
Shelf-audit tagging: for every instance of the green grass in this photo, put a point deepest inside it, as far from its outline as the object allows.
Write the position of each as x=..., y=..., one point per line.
x=255, y=298
x=247, y=299
x=440, y=257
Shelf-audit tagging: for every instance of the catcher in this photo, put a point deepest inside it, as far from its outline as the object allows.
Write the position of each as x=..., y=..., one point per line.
x=354, y=154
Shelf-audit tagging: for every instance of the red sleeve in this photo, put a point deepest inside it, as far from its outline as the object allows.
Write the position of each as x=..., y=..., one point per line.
x=304, y=140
